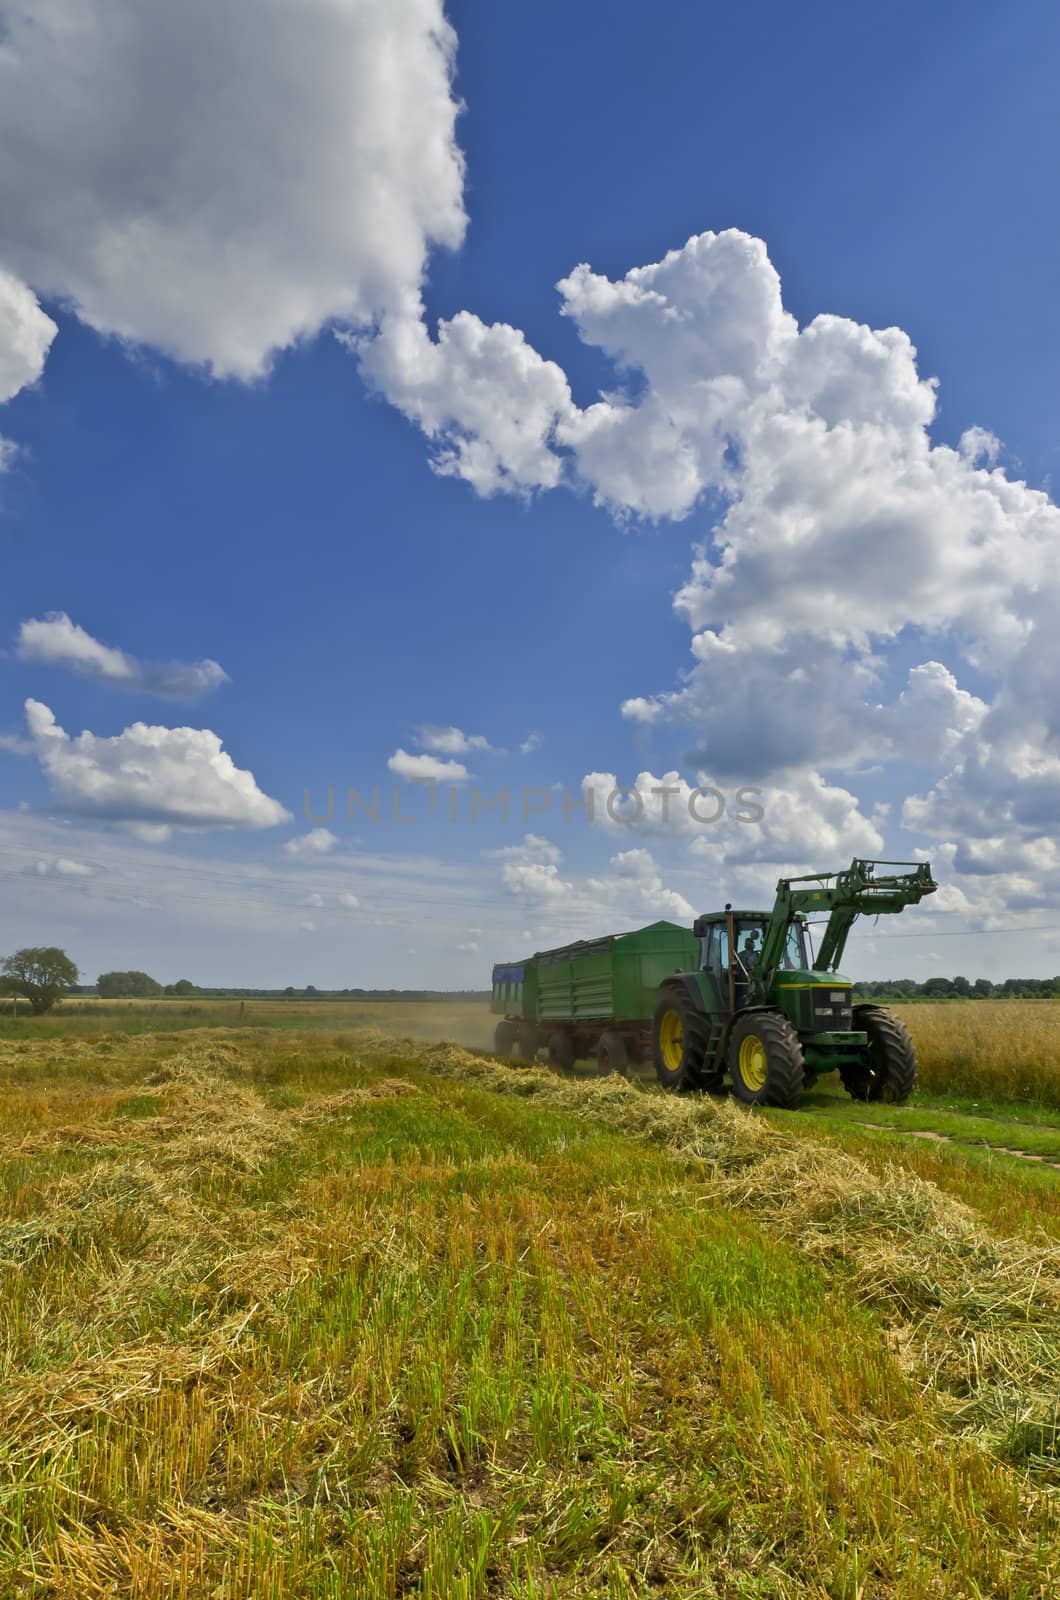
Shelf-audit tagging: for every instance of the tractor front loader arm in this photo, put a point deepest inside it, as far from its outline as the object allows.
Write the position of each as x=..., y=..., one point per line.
x=860, y=891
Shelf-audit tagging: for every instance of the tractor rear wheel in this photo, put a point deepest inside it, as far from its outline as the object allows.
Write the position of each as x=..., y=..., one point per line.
x=888, y=1069
x=611, y=1055
x=679, y=1033
x=504, y=1038
x=561, y=1051
x=765, y=1060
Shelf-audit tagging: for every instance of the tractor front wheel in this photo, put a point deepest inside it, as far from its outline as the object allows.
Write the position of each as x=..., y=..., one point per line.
x=678, y=1039
x=888, y=1068
x=765, y=1060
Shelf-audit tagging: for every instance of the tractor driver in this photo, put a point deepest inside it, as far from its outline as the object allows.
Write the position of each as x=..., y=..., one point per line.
x=745, y=966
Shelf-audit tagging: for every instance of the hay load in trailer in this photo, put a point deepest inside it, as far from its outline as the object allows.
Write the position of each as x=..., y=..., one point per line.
x=741, y=997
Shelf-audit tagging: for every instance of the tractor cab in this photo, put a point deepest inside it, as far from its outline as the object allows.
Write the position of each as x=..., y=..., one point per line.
x=732, y=945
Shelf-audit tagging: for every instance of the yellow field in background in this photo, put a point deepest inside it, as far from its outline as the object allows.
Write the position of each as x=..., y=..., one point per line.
x=1008, y=1049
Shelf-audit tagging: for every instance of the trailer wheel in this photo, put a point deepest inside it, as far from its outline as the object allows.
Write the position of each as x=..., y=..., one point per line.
x=888, y=1071
x=504, y=1038
x=611, y=1055
x=765, y=1060
x=678, y=1041
x=529, y=1041
x=561, y=1051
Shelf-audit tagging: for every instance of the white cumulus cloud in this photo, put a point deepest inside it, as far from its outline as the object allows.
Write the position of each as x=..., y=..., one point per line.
x=56, y=641
x=632, y=892
x=220, y=180
x=26, y=333
x=62, y=867
x=317, y=842
x=481, y=394
x=847, y=539
x=449, y=741
x=406, y=765
x=637, y=881
x=155, y=775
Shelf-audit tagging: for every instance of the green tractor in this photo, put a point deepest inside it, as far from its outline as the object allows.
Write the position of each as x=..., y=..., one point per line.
x=764, y=1012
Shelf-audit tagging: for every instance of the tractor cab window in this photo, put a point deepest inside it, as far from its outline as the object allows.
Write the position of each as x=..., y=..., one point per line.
x=796, y=948
x=716, y=951
x=749, y=936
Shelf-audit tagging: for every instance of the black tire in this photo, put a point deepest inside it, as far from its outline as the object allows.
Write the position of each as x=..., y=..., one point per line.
x=679, y=1033
x=561, y=1052
x=612, y=1055
x=504, y=1038
x=529, y=1040
x=765, y=1060
x=888, y=1071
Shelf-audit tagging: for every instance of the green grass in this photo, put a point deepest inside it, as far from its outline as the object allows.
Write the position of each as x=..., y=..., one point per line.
x=312, y=1316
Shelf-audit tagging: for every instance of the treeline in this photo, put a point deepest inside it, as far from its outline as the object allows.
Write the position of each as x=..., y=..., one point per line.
x=134, y=986
x=141, y=986
x=960, y=989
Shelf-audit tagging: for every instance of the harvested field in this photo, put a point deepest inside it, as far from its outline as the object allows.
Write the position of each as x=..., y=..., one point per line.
x=298, y=1315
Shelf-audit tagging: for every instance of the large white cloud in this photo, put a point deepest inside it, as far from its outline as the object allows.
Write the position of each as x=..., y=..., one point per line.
x=858, y=573
x=26, y=334
x=219, y=180
x=54, y=640
x=149, y=775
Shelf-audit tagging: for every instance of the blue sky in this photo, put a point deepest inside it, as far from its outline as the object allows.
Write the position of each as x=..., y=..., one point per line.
x=290, y=388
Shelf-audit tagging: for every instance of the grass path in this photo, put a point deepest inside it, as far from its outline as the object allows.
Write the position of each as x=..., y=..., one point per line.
x=998, y=1127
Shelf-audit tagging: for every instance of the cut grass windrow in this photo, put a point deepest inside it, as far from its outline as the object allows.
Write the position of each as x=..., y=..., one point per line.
x=978, y=1317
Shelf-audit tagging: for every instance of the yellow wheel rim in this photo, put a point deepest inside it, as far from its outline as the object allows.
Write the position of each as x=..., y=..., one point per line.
x=752, y=1062
x=672, y=1040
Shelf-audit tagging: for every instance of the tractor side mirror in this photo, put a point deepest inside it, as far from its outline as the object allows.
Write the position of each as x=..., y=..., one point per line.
x=699, y=927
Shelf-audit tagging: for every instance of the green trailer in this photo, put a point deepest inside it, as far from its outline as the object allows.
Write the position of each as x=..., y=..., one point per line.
x=591, y=999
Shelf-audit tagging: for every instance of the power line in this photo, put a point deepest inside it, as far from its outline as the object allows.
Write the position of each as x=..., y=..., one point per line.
x=964, y=933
